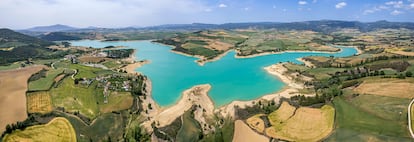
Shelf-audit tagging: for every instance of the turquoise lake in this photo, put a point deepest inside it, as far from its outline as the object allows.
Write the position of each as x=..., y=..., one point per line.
x=231, y=78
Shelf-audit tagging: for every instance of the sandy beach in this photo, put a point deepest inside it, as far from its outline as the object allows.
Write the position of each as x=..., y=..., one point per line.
x=307, y=63
x=279, y=70
x=359, y=51
x=197, y=95
x=130, y=68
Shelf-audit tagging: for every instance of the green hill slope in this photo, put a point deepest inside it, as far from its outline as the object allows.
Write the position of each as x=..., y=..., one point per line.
x=15, y=46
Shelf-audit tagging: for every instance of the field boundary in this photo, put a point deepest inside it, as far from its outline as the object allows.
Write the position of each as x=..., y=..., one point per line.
x=409, y=118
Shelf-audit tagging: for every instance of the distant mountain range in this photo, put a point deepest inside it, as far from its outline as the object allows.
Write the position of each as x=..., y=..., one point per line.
x=320, y=26
x=52, y=28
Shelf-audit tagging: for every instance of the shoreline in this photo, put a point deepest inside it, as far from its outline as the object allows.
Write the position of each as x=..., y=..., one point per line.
x=130, y=68
x=201, y=63
x=307, y=63
x=196, y=95
x=287, y=51
x=201, y=60
x=291, y=89
x=133, y=63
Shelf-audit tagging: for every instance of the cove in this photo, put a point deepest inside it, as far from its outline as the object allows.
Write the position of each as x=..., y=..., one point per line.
x=231, y=78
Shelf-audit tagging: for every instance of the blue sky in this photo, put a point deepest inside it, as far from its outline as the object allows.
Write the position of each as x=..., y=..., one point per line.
x=18, y=14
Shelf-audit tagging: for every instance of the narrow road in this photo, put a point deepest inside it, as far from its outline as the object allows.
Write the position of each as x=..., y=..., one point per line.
x=73, y=75
x=53, y=65
x=409, y=119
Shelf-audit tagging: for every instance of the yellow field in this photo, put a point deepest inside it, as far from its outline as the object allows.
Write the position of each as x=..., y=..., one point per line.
x=13, y=94
x=308, y=124
x=282, y=114
x=256, y=123
x=39, y=102
x=57, y=130
x=387, y=87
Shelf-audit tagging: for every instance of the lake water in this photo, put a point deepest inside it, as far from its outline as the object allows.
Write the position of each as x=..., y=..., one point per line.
x=231, y=78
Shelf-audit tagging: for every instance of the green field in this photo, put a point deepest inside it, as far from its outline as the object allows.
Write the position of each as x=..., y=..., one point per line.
x=116, y=101
x=11, y=66
x=46, y=61
x=318, y=73
x=83, y=71
x=368, y=117
x=323, y=73
x=77, y=97
x=46, y=82
x=111, y=64
x=190, y=130
x=223, y=134
x=296, y=67
x=106, y=126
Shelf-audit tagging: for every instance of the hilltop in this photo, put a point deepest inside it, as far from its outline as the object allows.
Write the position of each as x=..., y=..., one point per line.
x=10, y=38
x=51, y=28
x=15, y=46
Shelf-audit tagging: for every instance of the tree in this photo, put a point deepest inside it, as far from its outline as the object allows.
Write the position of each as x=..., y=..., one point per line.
x=408, y=74
x=401, y=76
x=382, y=73
x=66, y=44
x=149, y=106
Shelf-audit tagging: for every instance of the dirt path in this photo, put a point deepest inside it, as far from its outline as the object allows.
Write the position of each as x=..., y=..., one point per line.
x=73, y=75
x=409, y=119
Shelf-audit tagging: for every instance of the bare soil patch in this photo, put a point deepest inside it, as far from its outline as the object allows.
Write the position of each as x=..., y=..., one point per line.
x=13, y=94
x=92, y=59
x=242, y=133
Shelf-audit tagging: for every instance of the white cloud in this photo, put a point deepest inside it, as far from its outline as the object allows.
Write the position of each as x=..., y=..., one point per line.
x=246, y=9
x=340, y=5
x=395, y=4
x=396, y=12
x=376, y=9
x=411, y=5
x=302, y=2
x=208, y=10
x=222, y=5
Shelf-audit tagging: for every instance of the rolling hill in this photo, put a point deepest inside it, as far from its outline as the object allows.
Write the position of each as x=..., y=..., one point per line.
x=15, y=46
